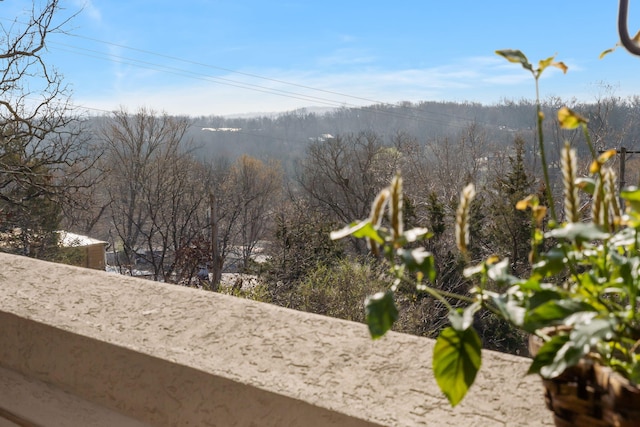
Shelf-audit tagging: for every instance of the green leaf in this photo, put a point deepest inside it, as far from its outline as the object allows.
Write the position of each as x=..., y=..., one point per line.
x=510, y=308
x=500, y=272
x=552, y=262
x=358, y=230
x=414, y=234
x=543, y=296
x=566, y=356
x=578, y=232
x=634, y=375
x=589, y=334
x=547, y=353
x=586, y=184
x=381, y=313
x=463, y=319
x=419, y=260
x=631, y=193
x=456, y=361
x=553, y=313
x=515, y=56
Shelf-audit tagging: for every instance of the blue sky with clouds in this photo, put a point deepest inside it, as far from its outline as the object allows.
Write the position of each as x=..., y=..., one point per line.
x=202, y=57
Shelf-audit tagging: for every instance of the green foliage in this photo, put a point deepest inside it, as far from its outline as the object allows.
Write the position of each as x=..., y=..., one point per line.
x=579, y=294
x=381, y=313
x=29, y=214
x=339, y=290
x=509, y=230
x=259, y=292
x=456, y=358
x=436, y=214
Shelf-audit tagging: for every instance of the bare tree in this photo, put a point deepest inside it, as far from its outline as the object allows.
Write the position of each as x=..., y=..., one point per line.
x=342, y=175
x=453, y=162
x=252, y=191
x=43, y=153
x=157, y=191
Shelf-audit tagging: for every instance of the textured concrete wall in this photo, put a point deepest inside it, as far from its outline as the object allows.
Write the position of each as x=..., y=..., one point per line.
x=167, y=355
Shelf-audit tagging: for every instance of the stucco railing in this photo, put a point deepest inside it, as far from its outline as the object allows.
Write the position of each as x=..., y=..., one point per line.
x=83, y=347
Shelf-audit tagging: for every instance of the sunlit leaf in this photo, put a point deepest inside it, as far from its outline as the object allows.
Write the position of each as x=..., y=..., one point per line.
x=544, y=63
x=358, y=230
x=547, y=353
x=456, y=361
x=419, y=259
x=606, y=52
x=561, y=65
x=552, y=262
x=578, y=232
x=381, y=313
x=510, y=309
x=602, y=158
x=631, y=193
x=414, y=234
x=553, y=313
x=586, y=184
x=569, y=119
x=501, y=272
x=566, y=356
x=588, y=334
x=463, y=319
x=347, y=230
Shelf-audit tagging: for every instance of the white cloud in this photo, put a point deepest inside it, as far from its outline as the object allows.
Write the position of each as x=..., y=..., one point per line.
x=477, y=79
x=88, y=9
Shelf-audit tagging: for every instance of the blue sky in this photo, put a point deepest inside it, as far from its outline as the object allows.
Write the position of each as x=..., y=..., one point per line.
x=201, y=57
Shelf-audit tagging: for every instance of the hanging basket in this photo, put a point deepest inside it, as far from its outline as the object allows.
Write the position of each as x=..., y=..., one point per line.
x=592, y=395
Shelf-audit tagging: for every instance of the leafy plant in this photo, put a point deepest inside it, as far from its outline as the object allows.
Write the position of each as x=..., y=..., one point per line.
x=581, y=296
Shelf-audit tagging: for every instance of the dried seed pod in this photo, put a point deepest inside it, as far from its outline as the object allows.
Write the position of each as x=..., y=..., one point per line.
x=462, y=217
x=395, y=207
x=569, y=165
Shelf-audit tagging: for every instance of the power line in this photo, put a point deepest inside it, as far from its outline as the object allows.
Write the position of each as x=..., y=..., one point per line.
x=250, y=86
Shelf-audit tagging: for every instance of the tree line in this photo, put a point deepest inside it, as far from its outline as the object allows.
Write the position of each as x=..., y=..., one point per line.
x=185, y=209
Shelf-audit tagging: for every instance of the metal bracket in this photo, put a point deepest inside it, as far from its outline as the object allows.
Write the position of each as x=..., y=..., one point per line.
x=623, y=31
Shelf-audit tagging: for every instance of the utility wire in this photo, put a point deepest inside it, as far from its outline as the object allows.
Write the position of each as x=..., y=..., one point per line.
x=250, y=86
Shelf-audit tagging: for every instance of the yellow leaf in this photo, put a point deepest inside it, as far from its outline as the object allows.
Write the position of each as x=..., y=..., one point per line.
x=493, y=259
x=570, y=119
x=606, y=155
x=602, y=158
x=539, y=213
x=525, y=203
x=608, y=51
x=544, y=63
x=636, y=38
x=560, y=65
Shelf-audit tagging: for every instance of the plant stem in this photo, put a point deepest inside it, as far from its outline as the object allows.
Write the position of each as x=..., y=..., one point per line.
x=545, y=167
x=587, y=137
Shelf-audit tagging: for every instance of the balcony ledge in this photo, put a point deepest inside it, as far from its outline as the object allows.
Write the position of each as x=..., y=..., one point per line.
x=166, y=355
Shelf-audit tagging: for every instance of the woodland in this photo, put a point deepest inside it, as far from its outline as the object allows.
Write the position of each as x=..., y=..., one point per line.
x=179, y=196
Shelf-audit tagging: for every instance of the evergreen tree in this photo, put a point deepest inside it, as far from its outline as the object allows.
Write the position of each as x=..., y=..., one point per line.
x=510, y=228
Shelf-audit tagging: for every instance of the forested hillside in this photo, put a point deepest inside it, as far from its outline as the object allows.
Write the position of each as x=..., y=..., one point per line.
x=184, y=199
x=285, y=136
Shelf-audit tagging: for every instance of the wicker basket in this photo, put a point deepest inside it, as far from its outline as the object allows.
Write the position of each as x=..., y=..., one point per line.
x=592, y=395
